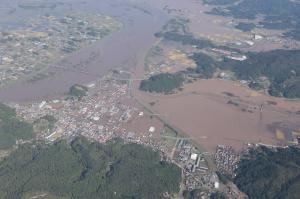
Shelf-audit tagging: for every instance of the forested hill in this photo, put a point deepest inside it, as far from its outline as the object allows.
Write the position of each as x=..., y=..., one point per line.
x=281, y=67
x=12, y=128
x=277, y=14
x=81, y=170
x=270, y=174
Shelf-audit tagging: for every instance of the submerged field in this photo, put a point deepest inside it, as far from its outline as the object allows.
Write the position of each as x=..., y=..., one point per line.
x=221, y=112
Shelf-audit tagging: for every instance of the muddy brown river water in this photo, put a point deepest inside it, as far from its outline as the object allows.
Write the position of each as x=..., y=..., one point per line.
x=201, y=111
x=122, y=49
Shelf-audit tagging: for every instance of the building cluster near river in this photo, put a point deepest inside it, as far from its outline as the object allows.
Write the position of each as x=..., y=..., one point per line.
x=107, y=111
x=169, y=75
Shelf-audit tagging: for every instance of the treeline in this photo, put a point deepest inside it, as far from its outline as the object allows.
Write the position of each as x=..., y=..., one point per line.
x=78, y=91
x=186, y=39
x=12, y=128
x=162, y=83
x=246, y=27
x=45, y=123
x=270, y=174
x=206, y=65
x=198, y=193
x=88, y=170
x=281, y=67
x=278, y=14
x=176, y=30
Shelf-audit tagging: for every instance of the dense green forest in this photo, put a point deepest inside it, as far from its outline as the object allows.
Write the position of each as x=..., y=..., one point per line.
x=206, y=65
x=45, y=123
x=12, y=128
x=281, y=67
x=78, y=91
x=162, y=83
x=217, y=195
x=270, y=174
x=193, y=194
x=82, y=169
x=278, y=14
x=246, y=27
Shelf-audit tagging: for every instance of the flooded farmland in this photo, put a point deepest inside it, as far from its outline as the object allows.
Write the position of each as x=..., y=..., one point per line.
x=124, y=49
x=205, y=112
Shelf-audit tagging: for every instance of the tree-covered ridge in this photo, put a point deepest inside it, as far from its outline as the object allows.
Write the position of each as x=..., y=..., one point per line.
x=278, y=14
x=88, y=170
x=162, y=83
x=270, y=174
x=12, y=128
x=281, y=67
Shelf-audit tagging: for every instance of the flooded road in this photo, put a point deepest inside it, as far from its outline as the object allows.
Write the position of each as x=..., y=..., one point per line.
x=122, y=49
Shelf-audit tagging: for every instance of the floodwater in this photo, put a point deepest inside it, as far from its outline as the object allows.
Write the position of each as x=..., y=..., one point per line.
x=122, y=49
x=202, y=112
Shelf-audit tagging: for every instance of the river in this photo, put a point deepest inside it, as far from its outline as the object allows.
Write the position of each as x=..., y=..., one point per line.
x=122, y=49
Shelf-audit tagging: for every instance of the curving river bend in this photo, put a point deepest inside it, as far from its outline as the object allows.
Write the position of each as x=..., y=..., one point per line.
x=122, y=49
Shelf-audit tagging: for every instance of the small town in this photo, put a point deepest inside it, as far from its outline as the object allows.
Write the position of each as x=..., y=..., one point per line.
x=137, y=99
x=103, y=113
x=226, y=160
x=34, y=46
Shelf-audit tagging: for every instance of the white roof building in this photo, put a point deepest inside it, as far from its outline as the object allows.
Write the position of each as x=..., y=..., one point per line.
x=217, y=185
x=152, y=129
x=194, y=156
